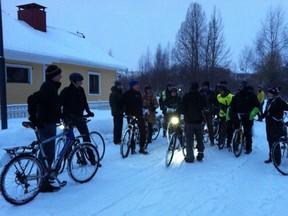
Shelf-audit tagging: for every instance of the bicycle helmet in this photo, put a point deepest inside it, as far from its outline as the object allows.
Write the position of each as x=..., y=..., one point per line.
x=74, y=77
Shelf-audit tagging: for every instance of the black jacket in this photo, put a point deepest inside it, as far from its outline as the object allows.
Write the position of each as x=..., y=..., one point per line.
x=115, y=101
x=274, y=110
x=74, y=101
x=49, y=110
x=244, y=102
x=133, y=103
x=192, y=106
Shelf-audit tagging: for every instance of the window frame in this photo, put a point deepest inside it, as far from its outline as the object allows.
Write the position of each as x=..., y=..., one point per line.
x=29, y=68
x=99, y=83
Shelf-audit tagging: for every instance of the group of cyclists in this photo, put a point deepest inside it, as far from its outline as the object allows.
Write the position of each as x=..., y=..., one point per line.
x=200, y=105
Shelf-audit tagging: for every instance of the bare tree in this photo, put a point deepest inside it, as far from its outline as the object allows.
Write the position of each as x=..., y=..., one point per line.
x=271, y=46
x=216, y=52
x=247, y=60
x=189, y=46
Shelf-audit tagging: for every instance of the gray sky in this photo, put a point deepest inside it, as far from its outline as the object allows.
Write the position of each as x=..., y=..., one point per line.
x=129, y=27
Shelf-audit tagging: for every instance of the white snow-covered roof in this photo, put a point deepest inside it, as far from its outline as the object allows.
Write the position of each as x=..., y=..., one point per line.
x=23, y=42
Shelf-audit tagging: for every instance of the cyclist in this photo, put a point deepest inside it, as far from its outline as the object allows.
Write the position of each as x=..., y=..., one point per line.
x=261, y=98
x=74, y=103
x=117, y=110
x=133, y=104
x=47, y=115
x=245, y=103
x=224, y=99
x=193, y=106
x=209, y=97
x=150, y=104
x=273, y=113
x=164, y=95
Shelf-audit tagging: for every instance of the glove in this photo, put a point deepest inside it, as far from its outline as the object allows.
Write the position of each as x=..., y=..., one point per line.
x=36, y=121
x=90, y=114
x=253, y=113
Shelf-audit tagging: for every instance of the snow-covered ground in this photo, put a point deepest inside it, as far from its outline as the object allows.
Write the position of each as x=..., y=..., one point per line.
x=141, y=185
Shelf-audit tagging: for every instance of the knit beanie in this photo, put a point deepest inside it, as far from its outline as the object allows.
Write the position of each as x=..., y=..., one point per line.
x=52, y=71
x=133, y=83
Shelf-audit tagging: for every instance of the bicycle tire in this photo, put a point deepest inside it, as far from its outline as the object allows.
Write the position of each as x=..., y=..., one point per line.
x=222, y=136
x=81, y=167
x=170, y=149
x=155, y=130
x=125, y=143
x=237, y=142
x=215, y=126
x=59, y=146
x=17, y=187
x=169, y=131
x=280, y=156
x=97, y=140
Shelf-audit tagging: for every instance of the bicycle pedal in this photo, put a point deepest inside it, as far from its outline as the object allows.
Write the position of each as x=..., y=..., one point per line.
x=63, y=183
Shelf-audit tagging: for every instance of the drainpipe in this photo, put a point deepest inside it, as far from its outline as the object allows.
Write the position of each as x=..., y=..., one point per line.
x=3, y=100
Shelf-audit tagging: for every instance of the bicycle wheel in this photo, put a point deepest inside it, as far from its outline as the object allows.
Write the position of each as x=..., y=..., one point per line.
x=215, y=125
x=170, y=149
x=97, y=140
x=280, y=156
x=155, y=130
x=169, y=131
x=222, y=136
x=125, y=144
x=21, y=179
x=59, y=146
x=237, y=142
x=83, y=162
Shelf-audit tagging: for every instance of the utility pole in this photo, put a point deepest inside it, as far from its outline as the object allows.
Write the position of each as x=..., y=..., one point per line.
x=3, y=100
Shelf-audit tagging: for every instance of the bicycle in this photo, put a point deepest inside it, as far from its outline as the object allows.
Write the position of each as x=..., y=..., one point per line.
x=177, y=140
x=280, y=153
x=238, y=140
x=171, y=125
x=95, y=138
x=222, y=133
x=215, y=125
x=22, y=177
x=131, y=134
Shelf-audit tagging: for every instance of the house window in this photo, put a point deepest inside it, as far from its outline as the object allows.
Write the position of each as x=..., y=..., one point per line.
x=94, y=83
x=19, y=74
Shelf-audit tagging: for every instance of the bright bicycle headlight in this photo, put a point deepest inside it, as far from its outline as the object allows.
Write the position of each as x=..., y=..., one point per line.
x=174, y=120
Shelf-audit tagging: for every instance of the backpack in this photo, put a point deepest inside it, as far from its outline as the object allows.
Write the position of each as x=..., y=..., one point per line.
x=33, y=102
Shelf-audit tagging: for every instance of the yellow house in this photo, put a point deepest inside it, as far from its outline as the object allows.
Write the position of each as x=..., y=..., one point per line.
x=30, y=46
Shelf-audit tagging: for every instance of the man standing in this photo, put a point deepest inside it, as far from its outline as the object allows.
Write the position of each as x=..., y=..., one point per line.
x=193, y=106
x=74, y=101
x=115, y=101
x=47, y=115
x=209, y=97
x=246, y=105
x=261, y=98
x=133, y=103
x=164, y=95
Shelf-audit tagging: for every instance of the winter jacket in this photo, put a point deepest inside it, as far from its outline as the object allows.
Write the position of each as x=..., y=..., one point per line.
x=164, y=95
x=261, y=96
x=150, y=102
x=244, y=102
x=115, y=101
x=49, y=110
x=274, y=110
x=192, y=106
x=224, y=103
x=133, y=103
x=210, y=99
x=74, y=101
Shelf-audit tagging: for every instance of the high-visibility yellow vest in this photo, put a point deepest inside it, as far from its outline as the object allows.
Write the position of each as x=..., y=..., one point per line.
x=225, y=101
